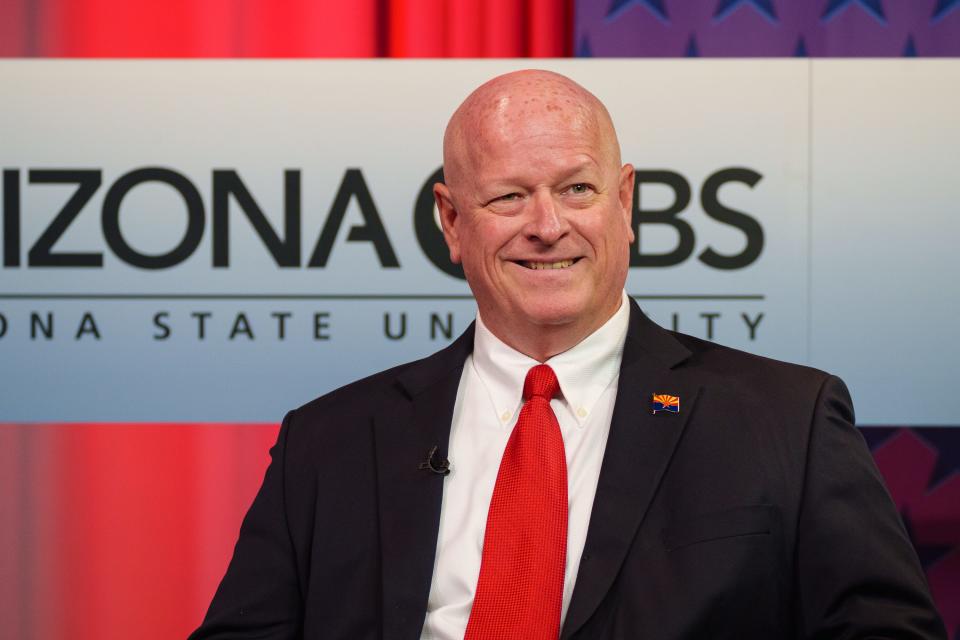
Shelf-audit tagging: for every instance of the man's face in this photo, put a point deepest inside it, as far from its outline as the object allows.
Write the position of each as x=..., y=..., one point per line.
x=539, y=216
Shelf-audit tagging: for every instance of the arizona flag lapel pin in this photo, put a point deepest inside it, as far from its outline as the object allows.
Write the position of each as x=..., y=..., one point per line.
x=665, y=402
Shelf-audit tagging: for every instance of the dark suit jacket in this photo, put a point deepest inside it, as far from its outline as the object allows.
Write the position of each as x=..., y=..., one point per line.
x=756, y=512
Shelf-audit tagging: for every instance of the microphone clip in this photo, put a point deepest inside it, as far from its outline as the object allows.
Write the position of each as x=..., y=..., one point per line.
x=434, y=463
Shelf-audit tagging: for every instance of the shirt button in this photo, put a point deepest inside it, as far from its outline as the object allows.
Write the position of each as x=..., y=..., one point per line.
x=582, y=412
x=506, y=416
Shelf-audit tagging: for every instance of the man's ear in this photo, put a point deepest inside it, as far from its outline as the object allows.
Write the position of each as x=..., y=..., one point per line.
x=627, y=176
x=449, y=218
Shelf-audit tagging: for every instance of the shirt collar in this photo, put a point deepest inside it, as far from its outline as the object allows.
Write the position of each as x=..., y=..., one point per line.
x=583, y=371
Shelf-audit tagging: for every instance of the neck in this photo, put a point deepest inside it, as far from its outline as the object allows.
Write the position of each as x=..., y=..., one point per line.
x=543, y=347
x=542, y=342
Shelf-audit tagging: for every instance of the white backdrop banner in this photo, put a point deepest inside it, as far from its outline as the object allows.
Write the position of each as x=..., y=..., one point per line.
x=225, y=240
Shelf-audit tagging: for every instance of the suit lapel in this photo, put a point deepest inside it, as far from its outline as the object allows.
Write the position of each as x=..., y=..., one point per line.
x=639, y=449
x=410, y=497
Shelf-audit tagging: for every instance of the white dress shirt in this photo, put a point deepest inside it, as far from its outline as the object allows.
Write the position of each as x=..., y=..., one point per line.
x=488, y=403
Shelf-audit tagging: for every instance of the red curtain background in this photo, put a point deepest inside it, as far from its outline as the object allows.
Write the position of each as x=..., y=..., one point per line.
x=120, y=530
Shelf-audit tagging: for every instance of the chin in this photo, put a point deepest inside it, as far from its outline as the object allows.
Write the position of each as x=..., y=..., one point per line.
x=553, y=312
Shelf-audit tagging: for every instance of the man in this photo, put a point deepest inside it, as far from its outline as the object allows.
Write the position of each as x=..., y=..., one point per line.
x=641, y=484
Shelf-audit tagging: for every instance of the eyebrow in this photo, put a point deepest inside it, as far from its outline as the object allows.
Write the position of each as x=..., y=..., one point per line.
x=581, y=167
x=564, y=175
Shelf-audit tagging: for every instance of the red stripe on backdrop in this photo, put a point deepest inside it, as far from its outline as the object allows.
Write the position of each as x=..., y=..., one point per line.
x=505, y=28
x=213, y=28
x=12, y=543
x=107, y=28
x=13, y=28
x=295, y=28
x=475, y=29
x=310, y=28
x=549, y=29
x=119, y=527
x=417, y=28
x=478, y=28
x=463, y=29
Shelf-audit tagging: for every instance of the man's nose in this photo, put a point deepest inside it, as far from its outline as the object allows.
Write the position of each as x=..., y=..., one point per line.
x=546, y=221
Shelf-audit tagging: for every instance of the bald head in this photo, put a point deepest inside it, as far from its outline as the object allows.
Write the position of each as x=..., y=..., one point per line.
x=537, y=209
x=523, y=104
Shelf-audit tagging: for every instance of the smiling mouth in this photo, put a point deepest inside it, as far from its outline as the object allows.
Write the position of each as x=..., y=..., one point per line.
x=536, y=266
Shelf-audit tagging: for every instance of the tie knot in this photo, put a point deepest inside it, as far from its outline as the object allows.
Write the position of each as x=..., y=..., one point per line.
x=541, y=381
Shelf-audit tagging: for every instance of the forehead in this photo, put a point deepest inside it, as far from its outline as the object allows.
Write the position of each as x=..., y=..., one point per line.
x=528, y=107
x=552, y=130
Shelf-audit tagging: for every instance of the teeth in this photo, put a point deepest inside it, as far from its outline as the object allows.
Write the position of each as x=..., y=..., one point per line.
x=562, y=264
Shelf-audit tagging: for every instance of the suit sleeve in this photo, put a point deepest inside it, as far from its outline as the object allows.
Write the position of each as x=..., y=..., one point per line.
x=260, y=596
x=858, y=574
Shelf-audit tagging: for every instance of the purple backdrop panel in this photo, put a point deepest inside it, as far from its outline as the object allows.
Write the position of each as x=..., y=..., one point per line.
x=767, y=28
x=922, y=468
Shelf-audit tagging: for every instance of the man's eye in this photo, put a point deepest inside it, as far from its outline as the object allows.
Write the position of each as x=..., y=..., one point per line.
x=509, y=197
x=580, y=187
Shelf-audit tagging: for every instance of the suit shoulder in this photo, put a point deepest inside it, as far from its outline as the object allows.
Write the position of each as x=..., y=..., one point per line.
x=737, y=368
x=772, y=391
x=365, y=392
x=341, y=420
x=367, y=395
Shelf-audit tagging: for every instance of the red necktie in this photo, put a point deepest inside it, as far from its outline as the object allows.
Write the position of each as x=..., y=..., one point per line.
x=520, y=589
